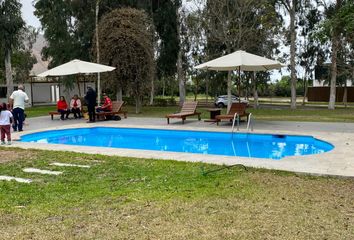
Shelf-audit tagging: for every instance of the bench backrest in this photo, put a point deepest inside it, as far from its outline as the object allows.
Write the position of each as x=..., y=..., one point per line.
x=117, y=105
x=189, y=107
x=239, y=108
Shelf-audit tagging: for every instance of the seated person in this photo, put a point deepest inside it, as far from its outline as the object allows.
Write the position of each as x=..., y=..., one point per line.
x=75, y=106
x=62, y=108
x=107, y=105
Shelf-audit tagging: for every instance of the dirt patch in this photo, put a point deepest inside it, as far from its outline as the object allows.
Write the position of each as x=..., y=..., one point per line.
x=13, y=155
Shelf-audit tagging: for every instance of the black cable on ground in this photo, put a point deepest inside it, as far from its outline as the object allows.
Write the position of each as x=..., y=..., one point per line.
x=204, y=173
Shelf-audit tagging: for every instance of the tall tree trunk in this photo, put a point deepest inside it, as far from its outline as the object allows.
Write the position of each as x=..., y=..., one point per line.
x=207, y=88
x=180, y=72
x=292, y=55
x=345, y=94
x=247, y=87
x=196, y=90
x=8, y=73
x=98, y=50
x=229, y=85
x=180, y=77
x=255, y=92
x=137, y=105
x=335, y=46
x=305, y=89
x=152, y=92
x=163, y=87
x=305, y=93
x=119, y=93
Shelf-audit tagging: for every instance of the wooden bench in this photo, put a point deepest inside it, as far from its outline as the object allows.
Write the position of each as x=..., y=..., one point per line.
x=52, y=113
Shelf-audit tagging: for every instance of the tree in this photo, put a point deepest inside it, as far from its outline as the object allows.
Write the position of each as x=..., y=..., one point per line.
x=310, y=50
x=291, y=7
x=126, y=42
x=69, y=27
x=166, y=21
x=60, y=30
x=346, y=55
x=229, y=26
x=11, y=24
x=335, y=45
x=337, y=28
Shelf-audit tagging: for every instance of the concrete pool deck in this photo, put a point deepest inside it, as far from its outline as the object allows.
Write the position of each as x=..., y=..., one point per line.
x=338, y=162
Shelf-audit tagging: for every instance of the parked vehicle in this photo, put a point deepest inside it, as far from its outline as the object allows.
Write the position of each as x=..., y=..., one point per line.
x=221, y=101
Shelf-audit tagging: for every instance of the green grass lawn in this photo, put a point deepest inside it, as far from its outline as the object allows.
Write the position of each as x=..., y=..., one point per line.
x=39, y=111
x=279, y=114
x=128, y=198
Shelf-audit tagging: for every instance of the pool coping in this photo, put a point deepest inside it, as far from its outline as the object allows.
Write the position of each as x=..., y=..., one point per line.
x=337, y=162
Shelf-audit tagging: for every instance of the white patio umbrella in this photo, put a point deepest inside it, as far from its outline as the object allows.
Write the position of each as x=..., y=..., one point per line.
x=76, y=67
x=241, y=61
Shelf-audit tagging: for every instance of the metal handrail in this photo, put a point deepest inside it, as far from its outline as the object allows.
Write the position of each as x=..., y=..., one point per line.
x=250, y=123
x=233, y=122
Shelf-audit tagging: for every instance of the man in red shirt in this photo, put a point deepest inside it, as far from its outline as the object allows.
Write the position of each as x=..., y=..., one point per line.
x=107, y=104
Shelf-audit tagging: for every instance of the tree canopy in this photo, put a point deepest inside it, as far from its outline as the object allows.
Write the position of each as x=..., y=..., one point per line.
x=126, y=42
x=11, y=26
x=183, y=37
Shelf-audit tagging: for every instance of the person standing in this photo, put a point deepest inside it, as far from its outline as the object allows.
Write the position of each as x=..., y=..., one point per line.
x=75, y=106
x=17, y=101
x=5, y=124
x=62, y=108
x=90, y=99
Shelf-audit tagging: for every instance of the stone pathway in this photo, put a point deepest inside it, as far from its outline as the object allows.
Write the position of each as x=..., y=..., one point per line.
x=36, y=170
x=21, y=180
x=41, y=171
x=69, y=165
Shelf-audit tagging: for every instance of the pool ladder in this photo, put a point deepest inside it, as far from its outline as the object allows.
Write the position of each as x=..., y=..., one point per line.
x=237, y=120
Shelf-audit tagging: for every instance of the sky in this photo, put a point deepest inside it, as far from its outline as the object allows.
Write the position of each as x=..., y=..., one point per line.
x=27, y=13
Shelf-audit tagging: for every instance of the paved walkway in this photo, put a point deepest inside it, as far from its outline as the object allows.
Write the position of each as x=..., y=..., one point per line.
x=339, y=161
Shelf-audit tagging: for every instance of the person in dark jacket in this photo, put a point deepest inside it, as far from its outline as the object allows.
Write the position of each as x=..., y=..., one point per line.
x=90, y=99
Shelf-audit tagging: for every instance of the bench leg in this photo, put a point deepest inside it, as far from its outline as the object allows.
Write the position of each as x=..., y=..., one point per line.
x=168, y=121
x=199, y=118
x=183, y=120
x=125, y=115
x=51, y=116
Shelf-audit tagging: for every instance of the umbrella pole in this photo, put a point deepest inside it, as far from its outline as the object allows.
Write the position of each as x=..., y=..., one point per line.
x=229, y=88
x=239, y=84
x=98, y=87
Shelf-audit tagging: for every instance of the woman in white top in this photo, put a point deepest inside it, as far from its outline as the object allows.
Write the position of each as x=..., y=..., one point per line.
x=75, y=106
x=5, y=124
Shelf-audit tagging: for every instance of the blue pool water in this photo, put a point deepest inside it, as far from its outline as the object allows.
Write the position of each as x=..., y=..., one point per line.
x=219, y=143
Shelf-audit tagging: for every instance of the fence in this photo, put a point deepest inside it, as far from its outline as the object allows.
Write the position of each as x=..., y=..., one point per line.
x=321, y=94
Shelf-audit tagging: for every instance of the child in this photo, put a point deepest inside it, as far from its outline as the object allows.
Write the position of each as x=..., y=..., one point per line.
x=5, y=124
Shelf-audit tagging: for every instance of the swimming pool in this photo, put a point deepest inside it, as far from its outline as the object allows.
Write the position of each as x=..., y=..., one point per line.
x=217, y=143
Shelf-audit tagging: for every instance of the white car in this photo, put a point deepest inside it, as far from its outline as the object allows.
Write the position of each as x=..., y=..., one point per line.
x=221, y=101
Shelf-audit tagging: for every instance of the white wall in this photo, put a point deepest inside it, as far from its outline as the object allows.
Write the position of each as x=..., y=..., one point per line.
x=317, y=83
